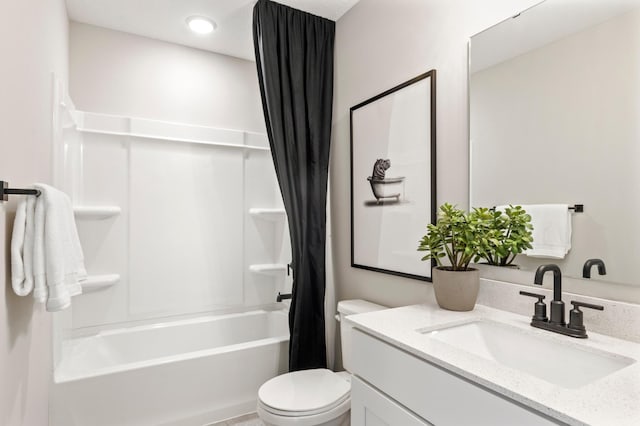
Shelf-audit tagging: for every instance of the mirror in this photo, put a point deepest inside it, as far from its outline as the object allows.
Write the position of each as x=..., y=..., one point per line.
x=554, y=98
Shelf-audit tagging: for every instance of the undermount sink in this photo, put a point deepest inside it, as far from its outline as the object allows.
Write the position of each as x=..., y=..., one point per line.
x=565, y=365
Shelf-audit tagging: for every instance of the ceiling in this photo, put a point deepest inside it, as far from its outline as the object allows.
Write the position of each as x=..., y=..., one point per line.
x=165, y=19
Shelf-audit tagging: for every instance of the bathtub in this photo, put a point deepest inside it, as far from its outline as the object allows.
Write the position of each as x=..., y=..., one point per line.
x=387, y=187
x=187, y=372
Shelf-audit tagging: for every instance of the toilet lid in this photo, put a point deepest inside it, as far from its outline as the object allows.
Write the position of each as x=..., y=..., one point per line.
x=306, y=391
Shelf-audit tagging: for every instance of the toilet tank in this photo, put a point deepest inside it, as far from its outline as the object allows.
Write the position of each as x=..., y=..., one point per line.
x=346, y=308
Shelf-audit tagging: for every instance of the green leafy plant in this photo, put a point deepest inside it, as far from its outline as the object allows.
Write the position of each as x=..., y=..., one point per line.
x=457, y=236
x=507, y=235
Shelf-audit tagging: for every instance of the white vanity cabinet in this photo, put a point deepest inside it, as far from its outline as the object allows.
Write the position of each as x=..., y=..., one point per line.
x=392, y=387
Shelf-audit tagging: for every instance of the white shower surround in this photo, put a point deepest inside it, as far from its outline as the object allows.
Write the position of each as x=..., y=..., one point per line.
x=184, y=195
x=163, y=345
x=179, y=373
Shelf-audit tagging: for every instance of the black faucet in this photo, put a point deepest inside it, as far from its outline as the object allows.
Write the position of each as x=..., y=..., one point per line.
x=586, y=269
x=556, y=323
x=557, y=305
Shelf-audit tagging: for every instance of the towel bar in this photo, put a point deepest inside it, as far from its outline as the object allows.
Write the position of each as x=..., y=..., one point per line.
x=577, y=208
x=5, y=191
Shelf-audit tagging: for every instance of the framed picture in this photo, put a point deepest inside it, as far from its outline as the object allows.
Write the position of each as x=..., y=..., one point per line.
x=393, y=177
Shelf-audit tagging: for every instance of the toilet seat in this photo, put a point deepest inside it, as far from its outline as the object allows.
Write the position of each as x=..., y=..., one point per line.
x=304, y=393
x=299, y=413
x=305, y=397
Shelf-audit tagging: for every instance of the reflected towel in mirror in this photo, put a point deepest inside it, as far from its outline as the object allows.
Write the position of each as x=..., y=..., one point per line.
x=551, y=230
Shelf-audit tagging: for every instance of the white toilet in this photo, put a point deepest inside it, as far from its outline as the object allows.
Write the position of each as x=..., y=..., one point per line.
x=317, y=397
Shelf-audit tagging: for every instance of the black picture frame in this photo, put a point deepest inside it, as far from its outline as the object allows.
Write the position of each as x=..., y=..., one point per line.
x=365, y=118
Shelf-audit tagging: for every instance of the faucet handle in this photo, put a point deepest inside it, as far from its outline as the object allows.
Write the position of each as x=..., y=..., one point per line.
x=539, y=296
x=575, y=316
x=577, y=305
x=540, y=313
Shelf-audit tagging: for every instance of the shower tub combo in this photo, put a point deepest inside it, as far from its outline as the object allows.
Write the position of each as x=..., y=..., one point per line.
x=187, y=372
x=182, y=337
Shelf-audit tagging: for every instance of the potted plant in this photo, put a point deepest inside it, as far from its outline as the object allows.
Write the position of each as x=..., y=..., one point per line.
x=508, y=234
x=458, y=237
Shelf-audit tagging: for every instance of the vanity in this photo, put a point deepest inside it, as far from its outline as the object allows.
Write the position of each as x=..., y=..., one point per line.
x=553, y=110
x=422, y=365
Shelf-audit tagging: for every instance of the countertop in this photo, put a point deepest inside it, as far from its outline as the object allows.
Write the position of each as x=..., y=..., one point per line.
x=612, y=400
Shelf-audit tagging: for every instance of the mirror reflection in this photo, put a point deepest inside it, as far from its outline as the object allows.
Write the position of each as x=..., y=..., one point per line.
x=554, y=119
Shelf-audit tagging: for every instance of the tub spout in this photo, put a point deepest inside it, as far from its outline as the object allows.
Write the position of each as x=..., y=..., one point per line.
x=282, y=297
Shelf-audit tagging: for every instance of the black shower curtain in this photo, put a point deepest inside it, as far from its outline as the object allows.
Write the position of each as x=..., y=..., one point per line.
x=294, y=55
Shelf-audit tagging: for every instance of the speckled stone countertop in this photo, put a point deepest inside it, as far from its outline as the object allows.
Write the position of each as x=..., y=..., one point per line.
x=612, y=400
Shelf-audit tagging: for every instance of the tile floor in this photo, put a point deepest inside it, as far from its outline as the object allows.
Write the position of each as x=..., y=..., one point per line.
x=246, y=420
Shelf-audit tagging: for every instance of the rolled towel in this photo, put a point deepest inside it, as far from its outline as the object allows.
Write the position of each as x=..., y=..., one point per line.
x=22, y=247
x=18, y=276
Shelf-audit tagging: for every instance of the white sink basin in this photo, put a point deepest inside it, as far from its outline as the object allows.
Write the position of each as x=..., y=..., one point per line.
x=565, y=365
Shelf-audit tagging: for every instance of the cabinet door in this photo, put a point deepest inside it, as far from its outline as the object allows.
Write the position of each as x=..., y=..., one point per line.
x=372, y=408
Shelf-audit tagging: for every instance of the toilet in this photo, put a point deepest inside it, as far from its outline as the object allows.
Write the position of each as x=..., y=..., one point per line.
x=318, y=397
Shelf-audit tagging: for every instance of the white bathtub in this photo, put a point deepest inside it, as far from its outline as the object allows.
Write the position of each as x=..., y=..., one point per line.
x=188, y=372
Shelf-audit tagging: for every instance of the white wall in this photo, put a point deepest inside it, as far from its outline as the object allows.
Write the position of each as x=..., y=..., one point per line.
x=379, y=44
x=117, y=73
x=33, y=42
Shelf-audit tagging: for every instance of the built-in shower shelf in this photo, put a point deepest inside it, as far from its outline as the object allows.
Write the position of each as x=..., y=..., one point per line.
x=268, y=214
x=99, y=282
x=269, y=268
x=96, y=212
x=106, y=124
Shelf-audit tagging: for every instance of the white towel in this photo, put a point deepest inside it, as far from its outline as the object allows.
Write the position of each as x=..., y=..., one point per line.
x=551, y=230
x=22, y=247
x=47, y=257
x=21, y=285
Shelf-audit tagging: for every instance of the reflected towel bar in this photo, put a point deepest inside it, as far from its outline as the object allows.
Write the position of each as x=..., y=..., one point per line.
x=577, y=208
x=5, y=191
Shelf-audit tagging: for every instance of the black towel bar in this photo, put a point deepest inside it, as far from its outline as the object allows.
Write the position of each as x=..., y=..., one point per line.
x=5, y=191
x=577, y=208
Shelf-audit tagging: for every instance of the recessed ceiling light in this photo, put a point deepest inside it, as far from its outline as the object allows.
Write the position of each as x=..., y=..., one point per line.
x=201, y=25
